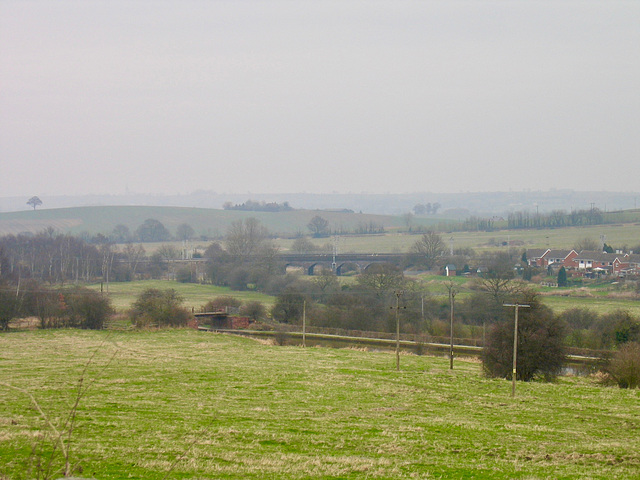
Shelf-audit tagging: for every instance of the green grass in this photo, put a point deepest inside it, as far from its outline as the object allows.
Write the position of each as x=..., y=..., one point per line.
x=226, y=407
x=601, y=299
x=599, y=304
x=560, y=238
x=123, y=294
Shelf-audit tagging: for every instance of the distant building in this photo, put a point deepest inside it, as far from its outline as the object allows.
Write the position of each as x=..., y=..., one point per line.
x=535, y=257
x=610, y=263
x=547, y=256
x=450, y=270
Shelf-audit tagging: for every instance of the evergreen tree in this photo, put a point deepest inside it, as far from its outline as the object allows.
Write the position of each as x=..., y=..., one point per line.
x=562, y=277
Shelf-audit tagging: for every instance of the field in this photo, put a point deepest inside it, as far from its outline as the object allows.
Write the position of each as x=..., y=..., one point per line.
x=560, y=238
x=214, y=223
x=188, y=404
x=123, y=294
x=599, y=304
x=602, y=300
x=210, y=222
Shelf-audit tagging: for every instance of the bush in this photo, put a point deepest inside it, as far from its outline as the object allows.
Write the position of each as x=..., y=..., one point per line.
x=221, y=303
x=288, y=306
x=45, y=304
x=624, y=367
x=254, y=310
x=9, y=306
x=617, y=328
x=87, y=308
x=541, y=350
x=159, y=307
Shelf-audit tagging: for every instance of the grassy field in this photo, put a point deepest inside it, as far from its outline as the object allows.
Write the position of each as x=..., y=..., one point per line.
x=599, y=304
x=560, y=238
x=188, y=404
x=205, y=221
x=601, y=300
x=123, y=294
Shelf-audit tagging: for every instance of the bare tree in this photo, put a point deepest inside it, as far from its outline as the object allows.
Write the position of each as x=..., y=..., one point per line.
x=133, y=254
x=303, y=245
x=588, y=244
x=327, y=281
x=169, y=252
x=319, y=226
x=185, y=232
x=498, y=280
x=381, y=278
x=428, y=248
x=245, y=237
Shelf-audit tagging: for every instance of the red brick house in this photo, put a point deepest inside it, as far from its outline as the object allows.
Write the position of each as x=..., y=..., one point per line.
x=546, y=257
x=535, y=257
x=611, y=263
x=566, y=258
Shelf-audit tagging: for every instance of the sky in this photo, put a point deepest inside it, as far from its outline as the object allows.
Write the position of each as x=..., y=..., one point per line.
x=172, y=97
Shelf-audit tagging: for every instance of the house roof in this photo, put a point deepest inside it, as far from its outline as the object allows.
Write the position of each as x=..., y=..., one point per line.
x=536, y=253
x=633, y=258
x=599, y=256
x=559, y=253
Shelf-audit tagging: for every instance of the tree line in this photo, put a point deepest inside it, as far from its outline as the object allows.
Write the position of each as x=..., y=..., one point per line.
x=255, y=206
x=555, y=219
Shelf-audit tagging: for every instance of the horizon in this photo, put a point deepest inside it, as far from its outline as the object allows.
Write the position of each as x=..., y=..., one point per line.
x=482, y=203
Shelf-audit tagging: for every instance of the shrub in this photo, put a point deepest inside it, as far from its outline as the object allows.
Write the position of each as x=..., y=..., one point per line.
x=617, y=328
x=159, y=307
x=48, y=306
x=254, y=310
x=221, y=303
x=541, y=350
x=288, y=306
x=624, y=367
x=9, y=307
x=87, y=308
x=579, y=318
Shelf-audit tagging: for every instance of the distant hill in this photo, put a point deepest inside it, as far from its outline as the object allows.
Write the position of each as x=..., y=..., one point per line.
x=208, y=222
x=465, y=203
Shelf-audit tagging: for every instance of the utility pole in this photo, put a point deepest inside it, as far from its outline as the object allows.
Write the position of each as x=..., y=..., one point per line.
x=334, y=265
x=452, y=295
x=398, y=293
x=304, y=323
x=515, y=343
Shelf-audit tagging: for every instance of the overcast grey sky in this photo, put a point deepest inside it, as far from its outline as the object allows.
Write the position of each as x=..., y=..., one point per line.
x=318, y=96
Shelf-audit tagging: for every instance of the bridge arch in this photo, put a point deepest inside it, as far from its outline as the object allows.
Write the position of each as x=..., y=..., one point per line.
x=311, y=270
x=345, y=267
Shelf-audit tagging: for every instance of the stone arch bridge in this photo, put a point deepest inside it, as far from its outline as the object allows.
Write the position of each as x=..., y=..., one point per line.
x=341, y=262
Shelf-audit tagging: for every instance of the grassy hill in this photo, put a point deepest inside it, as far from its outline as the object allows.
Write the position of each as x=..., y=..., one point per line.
x=188, y=404
x=205, y=221
x=214, y=223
